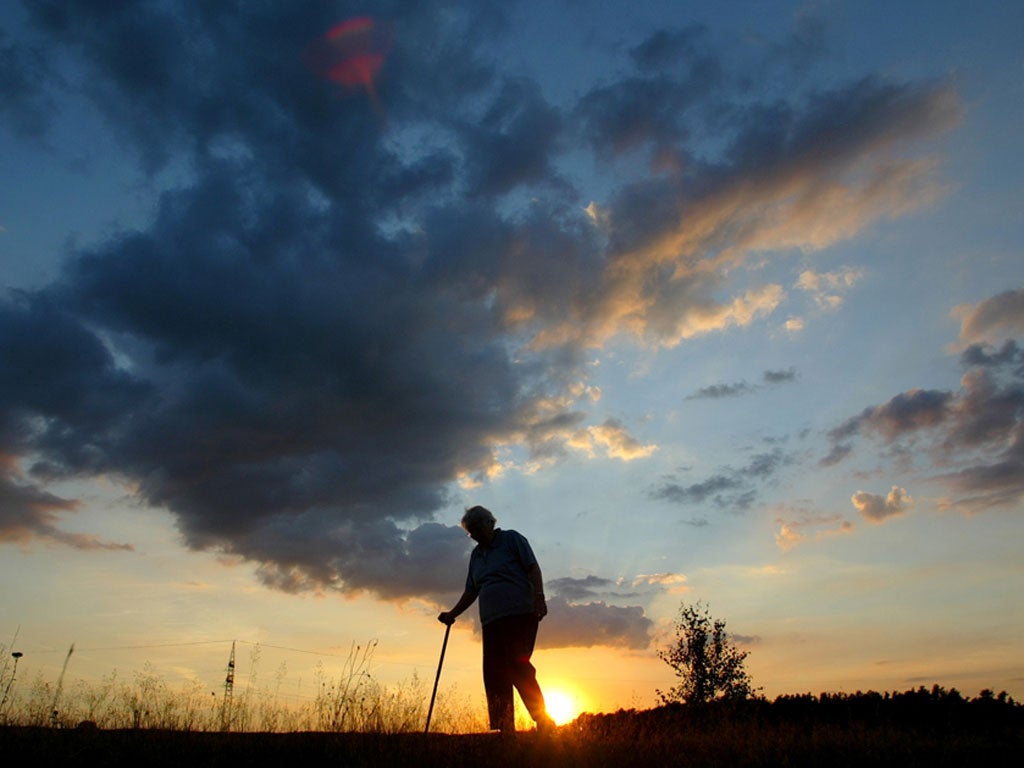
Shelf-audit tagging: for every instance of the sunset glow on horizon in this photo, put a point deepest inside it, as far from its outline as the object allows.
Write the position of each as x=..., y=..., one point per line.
x=564, y=707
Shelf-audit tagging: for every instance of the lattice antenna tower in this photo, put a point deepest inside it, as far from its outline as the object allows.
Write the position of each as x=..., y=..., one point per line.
x=229, y=691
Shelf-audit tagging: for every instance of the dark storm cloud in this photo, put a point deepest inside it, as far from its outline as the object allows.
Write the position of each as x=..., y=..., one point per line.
x=835, y=123
x=60, y=388
x=514, y=142
x=24, y=106
x=675, y=71
x=974, y=435
x=629, y=114
x=675, y=50
x=375, y=556
x=349, y=301
x=806, y=44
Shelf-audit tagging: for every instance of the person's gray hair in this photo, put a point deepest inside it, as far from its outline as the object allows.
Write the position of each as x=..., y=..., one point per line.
x=476, y=516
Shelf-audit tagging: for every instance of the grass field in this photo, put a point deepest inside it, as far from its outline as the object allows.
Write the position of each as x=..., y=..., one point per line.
x=917, y=728
x=824, y=747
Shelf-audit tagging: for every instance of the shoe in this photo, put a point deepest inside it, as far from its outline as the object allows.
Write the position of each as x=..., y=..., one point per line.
x=546, y=726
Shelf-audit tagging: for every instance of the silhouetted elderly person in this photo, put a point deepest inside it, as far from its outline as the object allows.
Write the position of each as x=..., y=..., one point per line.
x=504, y=574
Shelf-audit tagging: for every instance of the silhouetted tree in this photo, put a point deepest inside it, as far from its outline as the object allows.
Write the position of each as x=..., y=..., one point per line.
x=706, y=661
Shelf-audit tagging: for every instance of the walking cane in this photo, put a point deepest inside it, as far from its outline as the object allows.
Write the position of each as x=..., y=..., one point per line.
x=440, y=661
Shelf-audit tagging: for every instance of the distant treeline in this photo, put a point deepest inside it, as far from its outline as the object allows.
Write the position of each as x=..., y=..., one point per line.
x=921, y=708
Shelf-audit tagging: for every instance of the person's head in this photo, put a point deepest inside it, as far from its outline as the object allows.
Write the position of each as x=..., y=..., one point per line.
x=478, y=521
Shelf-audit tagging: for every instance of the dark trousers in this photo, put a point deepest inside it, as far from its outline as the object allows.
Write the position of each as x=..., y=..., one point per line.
x=508, y=645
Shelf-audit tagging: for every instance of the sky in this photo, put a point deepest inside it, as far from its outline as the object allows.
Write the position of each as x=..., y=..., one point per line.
x=717, y=302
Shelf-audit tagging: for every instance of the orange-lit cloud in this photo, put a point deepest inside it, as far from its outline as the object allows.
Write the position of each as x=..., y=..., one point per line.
x=800, y=523
x=672, y=247
x=788, y=537
x=672, y=583
x=993, y=320
x=614, y=439
x=827, y=287
x=876, y=508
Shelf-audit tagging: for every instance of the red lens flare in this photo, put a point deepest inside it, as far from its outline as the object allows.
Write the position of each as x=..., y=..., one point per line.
x=350, y=53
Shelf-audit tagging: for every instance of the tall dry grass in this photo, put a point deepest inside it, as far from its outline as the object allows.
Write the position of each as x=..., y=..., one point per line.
x=351, y=700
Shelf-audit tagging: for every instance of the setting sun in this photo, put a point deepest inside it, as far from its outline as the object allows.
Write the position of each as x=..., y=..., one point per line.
x=564, y=707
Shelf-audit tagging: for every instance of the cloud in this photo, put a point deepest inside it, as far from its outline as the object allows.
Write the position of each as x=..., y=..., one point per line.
x=697, y=493
x=993, y=320
x=24, y=106
x=730, y=489
x=826, y=287
x=974, y=436
x=645, y=109
x=338, y=311
x=797, y=524
x=719, y=391
x=985, y=356
x=29, y=513
x=596, y=588
x=616, y=441
x=745, y=639
x=780, y=377
x=514, y=142
x=740, y=388
x=569, y=625
x=805, y=45
x=374, y=556
x=838, y=452
x=788, y=536
x=907, y=412
x=669, y=49
x=575, y=590
x=580, y=616
x=876, y=508
x=793, y=325
x=672, y=583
